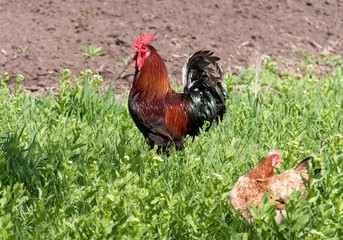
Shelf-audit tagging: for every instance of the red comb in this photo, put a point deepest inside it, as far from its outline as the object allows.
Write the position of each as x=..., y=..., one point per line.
x=142, y=40
x=273, y=151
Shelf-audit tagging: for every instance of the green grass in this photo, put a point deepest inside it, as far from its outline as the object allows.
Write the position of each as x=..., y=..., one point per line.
x=90, y=50
x=76, y=167
x=22, y=49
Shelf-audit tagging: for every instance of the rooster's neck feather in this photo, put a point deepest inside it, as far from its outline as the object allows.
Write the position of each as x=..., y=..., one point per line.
x=152, y=80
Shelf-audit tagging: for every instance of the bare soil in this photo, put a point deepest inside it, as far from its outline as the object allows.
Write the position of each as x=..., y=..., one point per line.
x=238, y=31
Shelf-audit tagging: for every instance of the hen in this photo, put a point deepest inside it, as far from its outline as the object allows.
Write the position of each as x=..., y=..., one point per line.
x=164, y=116
x=251, y=187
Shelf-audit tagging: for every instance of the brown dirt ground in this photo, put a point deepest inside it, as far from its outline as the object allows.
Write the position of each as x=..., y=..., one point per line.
x=55, y=31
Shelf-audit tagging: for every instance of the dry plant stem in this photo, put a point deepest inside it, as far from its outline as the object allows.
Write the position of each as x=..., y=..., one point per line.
x=322, y=146
x=120, y=74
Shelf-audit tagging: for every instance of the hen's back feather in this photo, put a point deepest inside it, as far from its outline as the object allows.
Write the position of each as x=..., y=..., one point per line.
x=287, y=182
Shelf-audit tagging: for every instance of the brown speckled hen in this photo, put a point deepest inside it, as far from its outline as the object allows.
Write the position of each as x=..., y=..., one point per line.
x=250, y=188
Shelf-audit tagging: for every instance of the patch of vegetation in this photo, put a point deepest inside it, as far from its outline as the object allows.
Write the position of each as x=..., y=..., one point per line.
x=321, y=60
x=90, y=50
x=22, y=49
x=84, y=17
x=127, y=61
x=76, y=167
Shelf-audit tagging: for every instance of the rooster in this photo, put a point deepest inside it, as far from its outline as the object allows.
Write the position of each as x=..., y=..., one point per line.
x=260, y=180
x=164, y=116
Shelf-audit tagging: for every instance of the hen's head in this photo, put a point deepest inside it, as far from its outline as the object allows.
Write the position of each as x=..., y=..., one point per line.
x=275, y=158
x=142, y=50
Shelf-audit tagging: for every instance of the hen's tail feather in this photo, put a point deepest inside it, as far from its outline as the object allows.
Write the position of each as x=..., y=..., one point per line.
x=318, y=170
x=302, y=166
x=201, y=76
